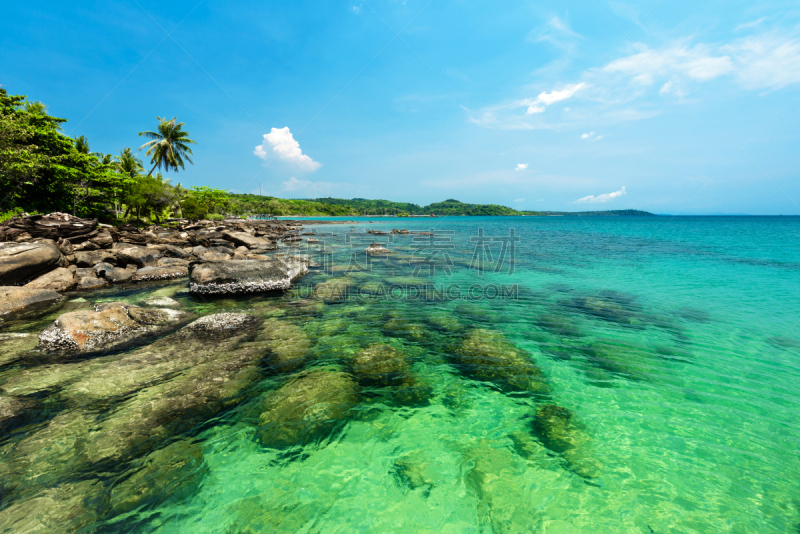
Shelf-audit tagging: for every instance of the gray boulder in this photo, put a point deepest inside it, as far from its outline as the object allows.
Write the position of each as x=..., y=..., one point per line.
x=114, y=275
x=17, y=301
x=20, y=262
x=244, y=276
x=140, y=256
x=62, y=279
x=111, y=324
x=91, y=282
x=91, y=258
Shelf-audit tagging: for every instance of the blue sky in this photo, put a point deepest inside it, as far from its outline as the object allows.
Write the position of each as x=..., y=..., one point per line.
x=673, y=107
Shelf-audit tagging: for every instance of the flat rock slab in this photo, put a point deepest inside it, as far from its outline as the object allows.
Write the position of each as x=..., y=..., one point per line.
x=140, y=256
x=245, y=239
x=244, y=276
x=20, y=262
x=160, y=273
x=109, y=325
x=16, y=300
x=62, y=279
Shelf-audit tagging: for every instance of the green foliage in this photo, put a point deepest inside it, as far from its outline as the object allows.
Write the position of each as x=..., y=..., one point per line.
x=6, y=215
x=215, y=217
x=41, y=169
x=202, y=202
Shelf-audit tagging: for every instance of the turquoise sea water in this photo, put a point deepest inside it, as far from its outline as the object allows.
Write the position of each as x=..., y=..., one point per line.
x=666, y=352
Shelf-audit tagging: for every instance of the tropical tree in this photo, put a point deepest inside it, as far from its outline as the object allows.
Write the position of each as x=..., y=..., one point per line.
x=169, y=145
x=129, y=163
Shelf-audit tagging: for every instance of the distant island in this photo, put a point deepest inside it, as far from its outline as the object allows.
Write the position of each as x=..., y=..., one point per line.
x=241, y=204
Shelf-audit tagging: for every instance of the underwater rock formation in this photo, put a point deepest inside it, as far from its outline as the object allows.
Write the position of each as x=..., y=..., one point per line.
x=557, y=429
x=384, y=366
x=495, y=479
x=288, y=345
x=173, y=473
x=487, y=355
x=307, y=409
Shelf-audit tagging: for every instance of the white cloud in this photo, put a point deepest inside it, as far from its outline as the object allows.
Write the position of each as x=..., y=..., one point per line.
x=521, y=166
x=519, y=200
x=591, y=199
x=751, y=24
x=535, y=106
x=587, y=135
x=599, y=137
x=283, y=144
x=557, y=33
x=769, y=61
x=623, y=89
x=698, y=63
x=356, y=9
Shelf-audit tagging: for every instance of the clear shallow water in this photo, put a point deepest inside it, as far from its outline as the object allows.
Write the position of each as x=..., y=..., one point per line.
x=673, y=345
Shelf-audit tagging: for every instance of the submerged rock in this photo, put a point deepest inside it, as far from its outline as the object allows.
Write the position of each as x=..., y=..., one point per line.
x=20, y=262
x=110, y=325
x=59, y=280
x=559, y=325
x=65, y=508
x=376, y=249
x=288, y=345
x=172, y=473
x=160, y=302
x=496, y=479
x=557, y=429
x=244, y=276
x=487, y=355
x=13, y=345
x=307, y=409
x=414, y=471
x=610, y=306
x=380, y=365
x=384, y=366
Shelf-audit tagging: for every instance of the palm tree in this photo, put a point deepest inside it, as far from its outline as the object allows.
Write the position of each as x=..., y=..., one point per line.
x=129, y=163
x=169, y=145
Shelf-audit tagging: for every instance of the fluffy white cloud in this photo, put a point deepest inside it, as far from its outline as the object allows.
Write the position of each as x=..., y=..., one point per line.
x=519, y=200
x=587, y=135
x=521, y=166
x=535, y=106
x=591, y=199
x=281, y=142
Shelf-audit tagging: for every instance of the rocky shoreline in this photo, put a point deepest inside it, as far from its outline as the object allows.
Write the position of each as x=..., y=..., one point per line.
x=43, y=256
